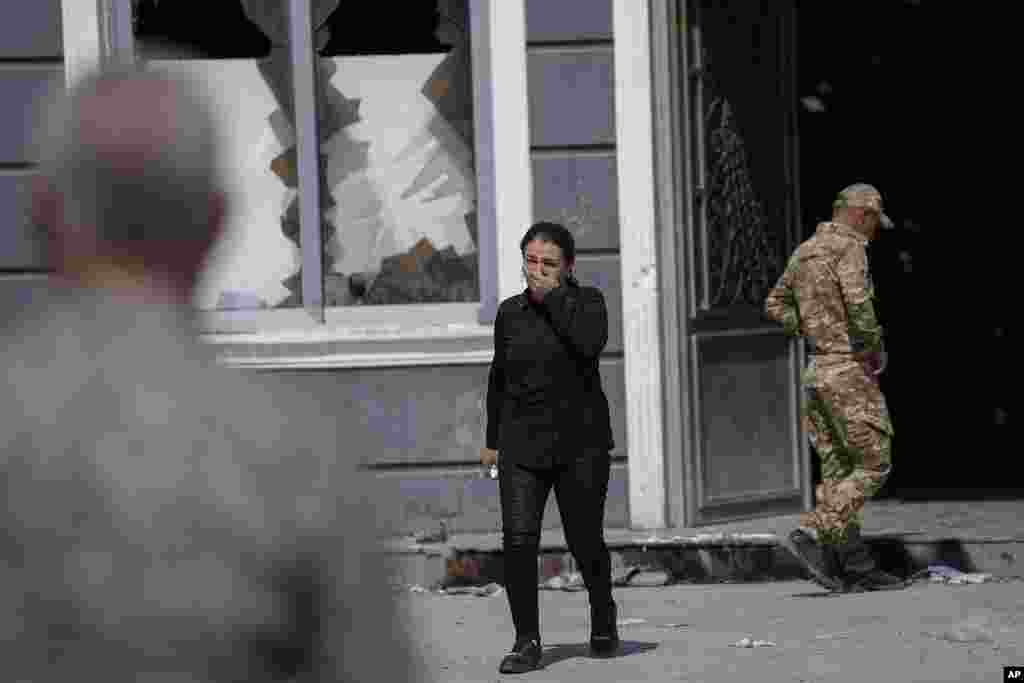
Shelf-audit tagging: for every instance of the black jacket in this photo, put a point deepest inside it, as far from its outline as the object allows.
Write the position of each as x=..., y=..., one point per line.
x=544, y=395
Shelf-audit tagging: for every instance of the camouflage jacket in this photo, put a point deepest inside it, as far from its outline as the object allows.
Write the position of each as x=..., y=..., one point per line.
x=825, y=293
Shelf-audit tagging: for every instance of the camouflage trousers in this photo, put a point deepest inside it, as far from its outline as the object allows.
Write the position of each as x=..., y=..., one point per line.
x=848, y=423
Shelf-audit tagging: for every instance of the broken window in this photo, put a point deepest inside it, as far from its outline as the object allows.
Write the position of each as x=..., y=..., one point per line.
x=396, y=177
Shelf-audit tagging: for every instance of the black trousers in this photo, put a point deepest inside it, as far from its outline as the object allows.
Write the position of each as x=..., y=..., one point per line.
x=580, y=482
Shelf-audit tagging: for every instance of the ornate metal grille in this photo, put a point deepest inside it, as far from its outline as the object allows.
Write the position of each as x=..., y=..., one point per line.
x=743, y=248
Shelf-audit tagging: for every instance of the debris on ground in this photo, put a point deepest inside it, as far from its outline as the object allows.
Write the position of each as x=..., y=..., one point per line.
x=573, y=581
x=631, y=621
x=479, y=591
x=487, y=591
x=976, y=628
x=623, y=578
x=650, y=578
x=713, y=538
x=749, y=642
x=675, y=625
x=967, y=635
x=942, y=573
x=971, y=631
x=830, y=636
x=439, y=536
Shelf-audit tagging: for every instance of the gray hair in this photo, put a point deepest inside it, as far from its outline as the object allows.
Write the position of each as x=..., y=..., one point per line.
x=167, y=196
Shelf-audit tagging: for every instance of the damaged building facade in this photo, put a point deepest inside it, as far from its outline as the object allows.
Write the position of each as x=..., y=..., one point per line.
x=381, y=181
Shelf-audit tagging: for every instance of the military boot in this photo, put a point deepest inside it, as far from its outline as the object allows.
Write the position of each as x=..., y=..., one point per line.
x=858, y=567
x=819, y=559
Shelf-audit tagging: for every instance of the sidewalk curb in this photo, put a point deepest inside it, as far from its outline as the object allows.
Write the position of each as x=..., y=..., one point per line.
x=705, y=558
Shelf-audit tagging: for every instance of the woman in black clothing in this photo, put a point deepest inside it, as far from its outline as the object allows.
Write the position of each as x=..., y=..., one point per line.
x=547, y=416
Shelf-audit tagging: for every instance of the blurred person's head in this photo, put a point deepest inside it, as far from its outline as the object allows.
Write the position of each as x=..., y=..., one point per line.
x=129, y=192
x=860, y=207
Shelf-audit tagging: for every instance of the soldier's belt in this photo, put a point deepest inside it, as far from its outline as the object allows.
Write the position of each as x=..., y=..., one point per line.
x=816, y=352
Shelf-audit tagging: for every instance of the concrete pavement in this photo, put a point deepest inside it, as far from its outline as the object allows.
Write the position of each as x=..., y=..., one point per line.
x=928, y=632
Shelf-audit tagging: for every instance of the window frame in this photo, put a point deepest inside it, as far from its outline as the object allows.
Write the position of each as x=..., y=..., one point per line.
x=315, y=335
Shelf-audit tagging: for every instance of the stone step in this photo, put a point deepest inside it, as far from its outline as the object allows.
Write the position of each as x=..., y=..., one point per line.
x=707, y=558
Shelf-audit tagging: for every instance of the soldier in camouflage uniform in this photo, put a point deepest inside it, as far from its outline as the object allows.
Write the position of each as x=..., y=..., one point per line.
x=825, y=295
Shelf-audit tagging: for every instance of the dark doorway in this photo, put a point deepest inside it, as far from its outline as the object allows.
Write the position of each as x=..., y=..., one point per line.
x=867, y=115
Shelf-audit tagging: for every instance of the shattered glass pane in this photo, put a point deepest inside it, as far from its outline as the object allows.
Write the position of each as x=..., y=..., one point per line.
x=397, y=176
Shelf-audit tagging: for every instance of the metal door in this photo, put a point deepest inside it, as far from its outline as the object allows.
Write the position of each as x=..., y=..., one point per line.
x=744, y=453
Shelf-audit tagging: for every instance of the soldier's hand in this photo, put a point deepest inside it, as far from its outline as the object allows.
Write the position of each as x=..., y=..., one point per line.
x=874, y=362
x=488, y=457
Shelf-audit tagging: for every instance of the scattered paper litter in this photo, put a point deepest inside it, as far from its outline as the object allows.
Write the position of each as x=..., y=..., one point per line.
x=479, y=591
x=564, y=582
x=826, y=636
x=748, y=642
x=941, y=573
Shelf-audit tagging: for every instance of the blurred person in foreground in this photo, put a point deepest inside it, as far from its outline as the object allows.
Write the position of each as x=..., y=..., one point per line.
x=826, y=296
x=167, y=519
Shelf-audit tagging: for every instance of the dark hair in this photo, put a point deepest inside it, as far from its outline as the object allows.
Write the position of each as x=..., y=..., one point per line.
x=552, y=232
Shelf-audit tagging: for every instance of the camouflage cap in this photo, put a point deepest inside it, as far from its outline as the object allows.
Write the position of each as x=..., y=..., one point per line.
x=863, y=195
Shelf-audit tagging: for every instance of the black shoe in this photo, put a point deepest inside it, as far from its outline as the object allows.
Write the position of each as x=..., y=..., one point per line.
x=604, y=631
x=817, y=558
x=525, y=656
